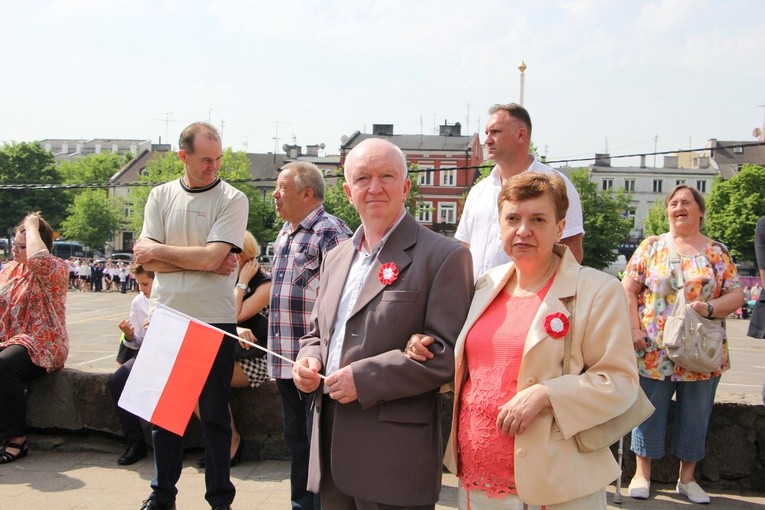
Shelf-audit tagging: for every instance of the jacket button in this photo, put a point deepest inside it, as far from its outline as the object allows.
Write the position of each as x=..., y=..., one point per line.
x=379, y=402
x=531, y=381
x=326, y=341
x=520, y=452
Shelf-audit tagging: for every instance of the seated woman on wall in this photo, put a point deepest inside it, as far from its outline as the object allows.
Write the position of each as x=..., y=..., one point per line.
x=515, y=413
x=251, y=294
x=33, y=337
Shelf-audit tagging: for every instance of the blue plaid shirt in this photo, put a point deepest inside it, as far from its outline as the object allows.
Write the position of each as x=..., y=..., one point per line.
x=298, y=255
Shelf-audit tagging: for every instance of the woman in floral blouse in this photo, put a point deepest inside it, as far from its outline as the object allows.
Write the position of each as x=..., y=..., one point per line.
x=33, y=338
x=712, y=288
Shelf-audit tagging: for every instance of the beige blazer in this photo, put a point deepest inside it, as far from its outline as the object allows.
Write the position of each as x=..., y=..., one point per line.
x=387, y=446
x=603, y=382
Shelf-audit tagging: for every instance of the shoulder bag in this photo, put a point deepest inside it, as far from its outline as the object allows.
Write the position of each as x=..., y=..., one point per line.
x=691, y=341
x=607, y=433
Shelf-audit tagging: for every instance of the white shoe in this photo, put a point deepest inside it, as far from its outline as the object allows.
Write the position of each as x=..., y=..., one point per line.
x=692, y=491
x=640, y=488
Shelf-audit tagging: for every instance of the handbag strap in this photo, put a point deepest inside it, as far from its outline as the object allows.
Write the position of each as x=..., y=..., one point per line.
x=570, y=307
x=674, y=259
x=567, y=340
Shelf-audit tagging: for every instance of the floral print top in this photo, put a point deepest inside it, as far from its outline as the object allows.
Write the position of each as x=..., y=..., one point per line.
x=707, y=275
x=33, y=308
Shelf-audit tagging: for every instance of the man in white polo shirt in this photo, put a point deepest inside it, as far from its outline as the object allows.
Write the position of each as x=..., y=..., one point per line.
x=508, y=136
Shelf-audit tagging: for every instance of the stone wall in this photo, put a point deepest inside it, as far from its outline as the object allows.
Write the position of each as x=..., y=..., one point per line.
x=76, y=401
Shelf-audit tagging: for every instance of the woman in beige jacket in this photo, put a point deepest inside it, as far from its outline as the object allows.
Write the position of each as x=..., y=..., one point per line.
x=516, y=414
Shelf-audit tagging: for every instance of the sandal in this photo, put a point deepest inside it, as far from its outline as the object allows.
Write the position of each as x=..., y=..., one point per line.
x=6, y=457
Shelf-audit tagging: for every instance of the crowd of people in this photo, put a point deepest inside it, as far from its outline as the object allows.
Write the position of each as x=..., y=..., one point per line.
x=97, y=275
x=364, y=330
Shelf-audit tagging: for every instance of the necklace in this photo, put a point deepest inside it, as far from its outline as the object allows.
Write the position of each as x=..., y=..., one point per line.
x=514, y=288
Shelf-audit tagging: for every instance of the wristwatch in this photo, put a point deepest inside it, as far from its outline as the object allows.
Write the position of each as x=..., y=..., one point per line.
x=710, y=310
x=240, y=285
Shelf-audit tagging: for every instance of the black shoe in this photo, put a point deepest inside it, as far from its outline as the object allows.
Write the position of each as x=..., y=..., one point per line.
x=133, y=454
x=235, y=460
x=6, y=457
x=153, y=504
x=221, y=507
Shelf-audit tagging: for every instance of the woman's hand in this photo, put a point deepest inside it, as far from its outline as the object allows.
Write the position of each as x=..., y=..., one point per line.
x=247, y=335
x=701, y=308
x=517, y=414
x=417, y=347
x=32, y=221
x=248, y=270
x=638, y=339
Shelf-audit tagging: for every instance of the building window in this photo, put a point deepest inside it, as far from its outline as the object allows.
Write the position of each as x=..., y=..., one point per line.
x=630, y=215
x=678, y=182
x=607, y=184
x=657, y=185
x=448, y=177
x=425, y=175
x=447, y=212
x=738, y=149
x=629, y=185
x=425, y=212
x=701, y=186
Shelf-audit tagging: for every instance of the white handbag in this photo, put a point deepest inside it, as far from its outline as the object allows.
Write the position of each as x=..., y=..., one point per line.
x=690, y=340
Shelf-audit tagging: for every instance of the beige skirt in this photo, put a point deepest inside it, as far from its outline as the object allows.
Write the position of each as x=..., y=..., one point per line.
x=477, y=500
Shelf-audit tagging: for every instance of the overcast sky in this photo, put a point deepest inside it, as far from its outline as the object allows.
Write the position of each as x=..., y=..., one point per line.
x=601, y=74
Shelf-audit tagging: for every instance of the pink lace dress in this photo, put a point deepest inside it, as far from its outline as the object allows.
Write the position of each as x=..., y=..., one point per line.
x=494, y=351
x=33, y=308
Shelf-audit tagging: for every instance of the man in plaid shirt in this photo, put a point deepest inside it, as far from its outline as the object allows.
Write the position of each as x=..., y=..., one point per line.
x=309, y=232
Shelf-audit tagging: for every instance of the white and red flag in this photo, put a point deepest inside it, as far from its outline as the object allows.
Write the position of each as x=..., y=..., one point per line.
x=171, y=368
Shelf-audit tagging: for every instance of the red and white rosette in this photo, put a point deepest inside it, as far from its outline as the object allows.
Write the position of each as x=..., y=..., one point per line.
x=556, y=325
x=388, y=273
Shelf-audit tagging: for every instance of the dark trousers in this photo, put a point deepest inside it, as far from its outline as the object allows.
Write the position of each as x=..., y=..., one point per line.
x=131, y=424
x=216, y=432
x=16, y=368
x=331, y=496
x=298, y=417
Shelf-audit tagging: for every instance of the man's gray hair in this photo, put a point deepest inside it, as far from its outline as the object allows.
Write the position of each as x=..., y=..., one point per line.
x=307, y=175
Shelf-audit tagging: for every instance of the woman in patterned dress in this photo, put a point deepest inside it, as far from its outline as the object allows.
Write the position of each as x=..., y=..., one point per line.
x=712, y=287
x=33, y=337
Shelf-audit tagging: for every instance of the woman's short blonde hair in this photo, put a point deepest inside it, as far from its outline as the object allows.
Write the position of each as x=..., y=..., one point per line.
x=528, y=185
x=250, y=247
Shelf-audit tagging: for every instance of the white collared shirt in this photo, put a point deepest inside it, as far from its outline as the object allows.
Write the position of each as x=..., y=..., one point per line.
x=357, y=275
x=479, y=223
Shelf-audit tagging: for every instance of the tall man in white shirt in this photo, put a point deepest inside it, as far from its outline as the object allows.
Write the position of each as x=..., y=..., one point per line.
x=508, y=136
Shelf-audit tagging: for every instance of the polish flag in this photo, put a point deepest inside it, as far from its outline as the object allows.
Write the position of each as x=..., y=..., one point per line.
x=170, y=370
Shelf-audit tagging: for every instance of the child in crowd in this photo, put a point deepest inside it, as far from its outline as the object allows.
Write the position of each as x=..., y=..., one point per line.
x=133, y=330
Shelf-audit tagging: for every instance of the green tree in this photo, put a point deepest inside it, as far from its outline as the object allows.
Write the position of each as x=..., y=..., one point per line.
x=656, y=222
x=93, y=218
x=94, y=168
x=262, y=221
x=605, y=224
x=27, y=163
x=337, y=204
x=733, y=208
